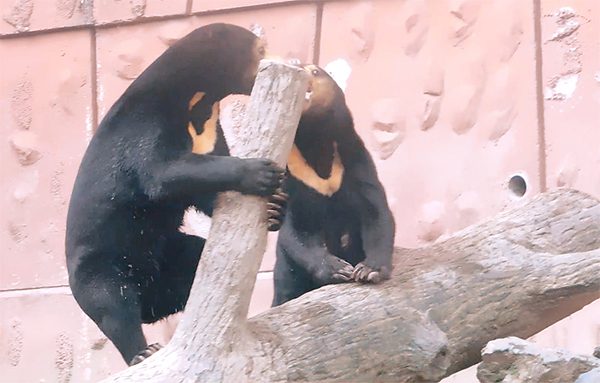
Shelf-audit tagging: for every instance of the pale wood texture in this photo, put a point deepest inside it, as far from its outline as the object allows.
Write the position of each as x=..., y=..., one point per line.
x=517, y=360
x=211, y=342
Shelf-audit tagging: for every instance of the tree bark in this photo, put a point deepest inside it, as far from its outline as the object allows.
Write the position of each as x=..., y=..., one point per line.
x=517, y=360
x=513, y=274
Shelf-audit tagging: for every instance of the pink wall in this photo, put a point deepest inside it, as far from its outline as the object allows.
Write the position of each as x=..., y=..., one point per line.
x=451, y=96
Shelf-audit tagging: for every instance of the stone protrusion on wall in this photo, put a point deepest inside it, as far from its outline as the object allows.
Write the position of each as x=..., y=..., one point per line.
x=69, y=88
x=35, y=15
x=417, y=28
x=560, y=87
x=25, y=186
x=433, y=94
x=25, y=146
x=430, y=220
x=466, y=100
x=173, y=32
x=58, y=194
x=468, y=208
x=465, y=18
x=17, y=231
x=571, y=60
x=567, y=173
x=19, y=15
x=64, y=358
x=389, y=126
x=362, y=34
x=504, y=121
x=111, y=11
x=130, y=59
x=66, y=8
x=14, y=342
x=511, y=41
x=21, y=104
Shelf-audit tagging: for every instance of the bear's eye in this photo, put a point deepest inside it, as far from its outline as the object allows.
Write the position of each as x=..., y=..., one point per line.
x=314, y=72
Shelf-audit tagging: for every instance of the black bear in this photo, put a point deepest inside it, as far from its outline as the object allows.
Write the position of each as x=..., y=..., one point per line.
x=338, y=226
x=128, y=262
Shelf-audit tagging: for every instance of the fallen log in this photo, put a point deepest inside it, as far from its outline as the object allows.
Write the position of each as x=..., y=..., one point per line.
x=514, y=274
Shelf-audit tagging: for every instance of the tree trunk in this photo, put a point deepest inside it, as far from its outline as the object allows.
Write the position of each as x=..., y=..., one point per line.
x=513, y=274
x=517, y=360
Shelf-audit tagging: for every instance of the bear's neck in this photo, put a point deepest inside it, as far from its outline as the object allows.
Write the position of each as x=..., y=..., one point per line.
x=316, y=146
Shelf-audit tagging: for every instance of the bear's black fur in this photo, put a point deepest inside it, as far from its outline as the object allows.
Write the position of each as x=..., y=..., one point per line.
x=128, y=262
x=338, y=226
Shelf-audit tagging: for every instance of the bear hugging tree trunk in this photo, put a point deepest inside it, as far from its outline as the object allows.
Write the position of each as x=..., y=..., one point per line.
x=513, y=274
x=230, y=262
x=128, y=262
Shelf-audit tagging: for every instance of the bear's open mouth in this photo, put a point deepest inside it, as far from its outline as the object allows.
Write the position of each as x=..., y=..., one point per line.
x=309, y=92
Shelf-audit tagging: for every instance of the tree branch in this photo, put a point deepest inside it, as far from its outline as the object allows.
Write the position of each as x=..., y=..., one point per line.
x=513, y=274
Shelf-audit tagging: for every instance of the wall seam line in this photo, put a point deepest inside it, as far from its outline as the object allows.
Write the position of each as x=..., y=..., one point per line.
x=150, y=19
x=539, y=88
x=318, y=31
x=94, y=77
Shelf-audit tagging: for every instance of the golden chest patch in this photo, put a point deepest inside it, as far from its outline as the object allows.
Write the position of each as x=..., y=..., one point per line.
x=204, y=142
x=302, y=171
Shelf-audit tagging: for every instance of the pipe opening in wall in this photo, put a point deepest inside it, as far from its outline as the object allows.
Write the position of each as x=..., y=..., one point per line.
x=517, y=186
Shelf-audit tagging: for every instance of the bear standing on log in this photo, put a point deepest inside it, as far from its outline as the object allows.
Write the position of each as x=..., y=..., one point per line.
x=337, y=226
x=128, y=262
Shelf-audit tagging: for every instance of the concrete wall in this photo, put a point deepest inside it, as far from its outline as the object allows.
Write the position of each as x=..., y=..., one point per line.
x=453, y=97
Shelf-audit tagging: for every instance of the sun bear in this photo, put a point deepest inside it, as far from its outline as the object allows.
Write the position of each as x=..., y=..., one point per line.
x=128, y=263
x=337, y=226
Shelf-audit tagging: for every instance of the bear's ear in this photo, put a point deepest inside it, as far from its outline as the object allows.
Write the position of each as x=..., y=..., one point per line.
x=340, y=71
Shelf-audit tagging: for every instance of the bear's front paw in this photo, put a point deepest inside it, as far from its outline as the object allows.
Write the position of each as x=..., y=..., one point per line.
x=334, y=270
x=260, y=177
x=276, y=209
x=145, y=353
x=365, y=274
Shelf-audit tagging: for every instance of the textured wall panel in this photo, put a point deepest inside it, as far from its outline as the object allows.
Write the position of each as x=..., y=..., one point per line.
x=571, y=75
x=48, y=331
x=31, y=15
x=211, y=5
x=45, y=124
x=444, y=95
x=123, y=53
x=106, y=11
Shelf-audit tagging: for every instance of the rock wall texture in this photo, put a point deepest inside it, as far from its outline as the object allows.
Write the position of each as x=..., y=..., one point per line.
x=469, y=107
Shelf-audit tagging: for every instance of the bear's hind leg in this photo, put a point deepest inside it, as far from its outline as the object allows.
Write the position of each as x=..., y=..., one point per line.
x=115, y=307
x=169, y=291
